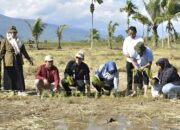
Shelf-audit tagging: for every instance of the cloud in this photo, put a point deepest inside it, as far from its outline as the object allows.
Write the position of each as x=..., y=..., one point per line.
x=74, y=13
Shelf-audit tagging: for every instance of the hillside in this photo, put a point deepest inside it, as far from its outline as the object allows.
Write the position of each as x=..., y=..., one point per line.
x=69, y=34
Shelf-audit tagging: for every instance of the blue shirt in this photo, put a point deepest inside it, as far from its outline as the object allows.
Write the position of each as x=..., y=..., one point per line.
x=145, y=58
x=108, y=72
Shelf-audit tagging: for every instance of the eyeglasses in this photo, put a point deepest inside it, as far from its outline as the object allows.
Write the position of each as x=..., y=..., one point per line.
x=79, y=58
x=49, y=61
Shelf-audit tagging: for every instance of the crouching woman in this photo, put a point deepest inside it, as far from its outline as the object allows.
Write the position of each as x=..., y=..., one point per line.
x=168, y=76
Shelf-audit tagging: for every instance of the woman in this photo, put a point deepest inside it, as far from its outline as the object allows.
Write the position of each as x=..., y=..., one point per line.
x=11, y=52
x=168, y=76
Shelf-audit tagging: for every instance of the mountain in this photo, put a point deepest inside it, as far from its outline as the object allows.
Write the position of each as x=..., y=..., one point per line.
x=49, y=33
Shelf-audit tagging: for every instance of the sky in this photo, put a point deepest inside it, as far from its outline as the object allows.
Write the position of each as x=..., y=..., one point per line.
x=75, y=13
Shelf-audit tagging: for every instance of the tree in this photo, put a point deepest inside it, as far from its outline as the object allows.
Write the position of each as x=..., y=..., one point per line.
x=130, y=9
x=95, y=34
x=92, y=8
x=152, y=21
x=59, y=31
x=171, y=10
x=111, y=29
x=37, y=30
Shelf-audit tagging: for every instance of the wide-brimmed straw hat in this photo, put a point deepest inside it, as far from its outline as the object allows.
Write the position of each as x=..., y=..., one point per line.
x=48, y=58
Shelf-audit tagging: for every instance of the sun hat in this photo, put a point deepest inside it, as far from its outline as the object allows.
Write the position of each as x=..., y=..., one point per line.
x=48, y=58
x=80, y=54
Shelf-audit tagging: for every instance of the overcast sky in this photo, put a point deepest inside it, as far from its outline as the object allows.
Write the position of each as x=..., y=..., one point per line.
x=74, y=13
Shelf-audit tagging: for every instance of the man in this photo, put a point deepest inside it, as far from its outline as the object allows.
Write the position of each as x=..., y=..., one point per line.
x=76, y=74
x=47, y=76
x=129, y=52
x=143, y=67
x=107, y=77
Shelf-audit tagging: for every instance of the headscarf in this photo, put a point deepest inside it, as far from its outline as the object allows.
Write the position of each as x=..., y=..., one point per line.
x=111, y=67
x=164, y=63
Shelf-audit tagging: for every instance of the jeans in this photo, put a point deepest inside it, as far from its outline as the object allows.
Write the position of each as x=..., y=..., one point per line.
x=171, y=89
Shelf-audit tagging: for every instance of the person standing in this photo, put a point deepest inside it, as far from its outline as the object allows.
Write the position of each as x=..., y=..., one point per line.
x=11, y=52
x=129, y=53
x=76, y=74
x=142, y=65
x=47, y=76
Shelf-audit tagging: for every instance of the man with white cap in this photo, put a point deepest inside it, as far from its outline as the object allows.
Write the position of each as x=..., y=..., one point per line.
x=76, y=74
x=47, y=76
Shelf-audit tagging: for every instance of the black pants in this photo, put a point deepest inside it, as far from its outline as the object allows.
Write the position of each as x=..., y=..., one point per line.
x=79, y=84
x=141, y=77
x=129, y=70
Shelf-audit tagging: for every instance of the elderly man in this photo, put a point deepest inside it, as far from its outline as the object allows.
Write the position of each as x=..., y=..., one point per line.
x=47, y=76
x=76, y=74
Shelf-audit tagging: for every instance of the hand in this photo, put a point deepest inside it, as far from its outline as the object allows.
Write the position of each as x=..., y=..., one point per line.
x=31, y=62
x=55, y=89
x=141, y=69
x=88, y=89
x=45, y=81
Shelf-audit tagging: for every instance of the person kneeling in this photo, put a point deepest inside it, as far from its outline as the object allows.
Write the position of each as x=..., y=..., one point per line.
x=47, y=76
x=76, y=74
x=106, y=77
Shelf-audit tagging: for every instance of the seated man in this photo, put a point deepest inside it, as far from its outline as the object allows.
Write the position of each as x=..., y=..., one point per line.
x=76, y=74
x=107, y=77
x=47, y=76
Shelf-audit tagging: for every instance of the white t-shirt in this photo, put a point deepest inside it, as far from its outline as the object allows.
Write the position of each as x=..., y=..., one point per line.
x=128, y=47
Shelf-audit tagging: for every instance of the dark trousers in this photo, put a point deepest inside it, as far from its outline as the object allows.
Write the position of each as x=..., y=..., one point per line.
x=79, y=84
x=129, y=70
x=141, y=77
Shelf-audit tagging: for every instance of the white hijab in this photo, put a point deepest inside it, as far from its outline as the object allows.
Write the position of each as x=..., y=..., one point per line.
x=15, y=42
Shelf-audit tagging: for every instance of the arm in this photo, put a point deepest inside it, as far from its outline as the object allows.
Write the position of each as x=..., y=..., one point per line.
x=3, y=49
x=26, y=55
x=125, y=52
x=86, y=75
x=116, y=81
x=39, y=74
x=56, y=78
x=68, y=70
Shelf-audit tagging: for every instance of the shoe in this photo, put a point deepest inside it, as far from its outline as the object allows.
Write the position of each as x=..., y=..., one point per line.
x=22, y=93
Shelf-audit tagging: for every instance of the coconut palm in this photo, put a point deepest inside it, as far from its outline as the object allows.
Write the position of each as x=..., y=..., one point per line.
x=153, y=10
x=130, y=9
x=171, y=10
x=96, y=34
x=111, y=29
x=59, y=31
x=37, y=30
x=92, y=8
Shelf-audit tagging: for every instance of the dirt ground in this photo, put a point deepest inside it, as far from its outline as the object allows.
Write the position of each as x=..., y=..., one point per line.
x=86, y=113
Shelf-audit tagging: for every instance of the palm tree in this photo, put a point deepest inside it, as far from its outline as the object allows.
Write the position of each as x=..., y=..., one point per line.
x=37, y=30
x=141, y=19
x=111, y=29
x=92, y=8
x=59, y=31
x=153, y=10
x=130, y=9
x=171, y=10
x=96, y=34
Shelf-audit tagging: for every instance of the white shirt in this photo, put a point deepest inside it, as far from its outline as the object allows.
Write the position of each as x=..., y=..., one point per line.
x=128, y=47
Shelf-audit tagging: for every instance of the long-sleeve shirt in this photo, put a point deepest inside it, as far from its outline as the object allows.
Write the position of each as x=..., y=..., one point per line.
x=108, y=72
x=51, y=74
x=78, y=72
